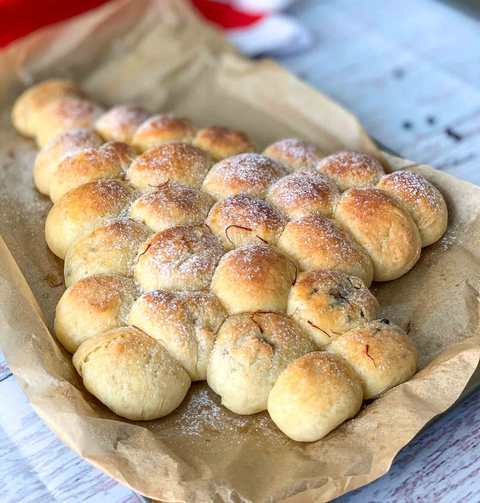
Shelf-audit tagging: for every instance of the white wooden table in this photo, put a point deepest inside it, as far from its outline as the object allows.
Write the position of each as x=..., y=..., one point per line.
x=410, y=70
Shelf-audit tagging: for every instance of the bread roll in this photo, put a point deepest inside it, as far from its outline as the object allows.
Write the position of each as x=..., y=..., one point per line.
x=65, y=113
x=421, y=199
x=49, y=157
x=303, y=193
x=243, y=173
x=381, y=353
x=132, y=374
x=327, y=304
x=383, y=228
x=27, y=110
x=108, y=161
x=178, y=258
x=171, y=204
x=110, y=249
x=161, y=129
x=178, y=162
x=351, y=169
x=253, y=278
x=313, y=395
x=316, y=242
x=250, y=352
x=242, y=219
x=81, y=210
x=221, y=142
x=120, y=122
x=186, y=324
x=92, y=306
x=294, y=154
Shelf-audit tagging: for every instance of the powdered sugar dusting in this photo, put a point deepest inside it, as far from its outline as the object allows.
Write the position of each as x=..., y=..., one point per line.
x=351, y=169
x=294, y=153
x=412, y=187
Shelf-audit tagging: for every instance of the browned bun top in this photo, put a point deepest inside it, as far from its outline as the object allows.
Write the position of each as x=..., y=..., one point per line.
x=160, y=129
x=380, y=352
x=186, y=324
x=67, y=143
x=244, y=218
x=303, y=193
x=108, y=161
x=170, y=205
x=179, y=162
x=28, y=106
x=383, y=228
x=328, y=303
x=250, y=352
x=421, y=199
x=248, y=173
x=351, y=169
x=110, y=249
x=254, y=278
x=83, y=208
x=120, y=122
x=294, y=154
x=221, y=142
x=177, y=258
x=65, y=113
x=316, y=242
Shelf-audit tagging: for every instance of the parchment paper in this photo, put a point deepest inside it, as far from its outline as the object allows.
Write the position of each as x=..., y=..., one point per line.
x=158, y=54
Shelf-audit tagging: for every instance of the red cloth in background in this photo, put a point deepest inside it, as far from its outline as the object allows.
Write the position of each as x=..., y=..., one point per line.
x=20, y=17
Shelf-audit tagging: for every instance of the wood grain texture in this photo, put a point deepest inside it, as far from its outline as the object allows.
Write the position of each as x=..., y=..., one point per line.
x=35, y=466
x=410, y=71
x=441, y=465
x=4, y=370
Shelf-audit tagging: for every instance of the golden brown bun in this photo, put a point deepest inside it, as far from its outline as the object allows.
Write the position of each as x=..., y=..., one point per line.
x=303, y=193
x=27, y=109
x=186, y=324
x=132, y=374
x=171, y=204
x=381, y=353
x=108, y=161
x=327, y=304
x=92, y=306
x=221, y=142
x=383, y=228
x=81, y=210
x=65, y=113
x=316, y=242
x=253, y=278
x=242, y=219
x=49, y=157
x=120, y=122
x=161, y=129
x=178, y=258
x=313, y=395
x=250, y=352
x=244, y=173
x=177, y=162
x=351, y=169
x=421, y=199
x=110, y=249
x=294, y=154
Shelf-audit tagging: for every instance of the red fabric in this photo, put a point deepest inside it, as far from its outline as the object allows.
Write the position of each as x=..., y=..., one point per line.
x=20, y=17
x=224, y=15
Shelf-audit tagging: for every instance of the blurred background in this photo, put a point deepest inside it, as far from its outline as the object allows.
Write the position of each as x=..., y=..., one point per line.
x=410, y=69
